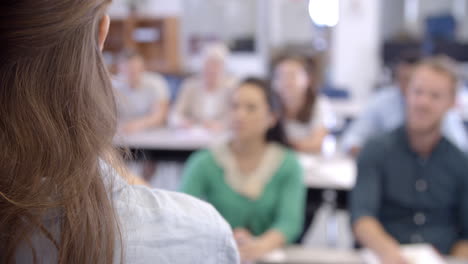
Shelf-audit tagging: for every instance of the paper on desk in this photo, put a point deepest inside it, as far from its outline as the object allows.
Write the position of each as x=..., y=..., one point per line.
x=276, y=256
x=335, y=172
x=308, y=161
x=415, y=254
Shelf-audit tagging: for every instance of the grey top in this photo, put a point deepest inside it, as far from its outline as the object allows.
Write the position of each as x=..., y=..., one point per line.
x=134, y=103
x=194, y=103
x=417, y=200
x=160, y=227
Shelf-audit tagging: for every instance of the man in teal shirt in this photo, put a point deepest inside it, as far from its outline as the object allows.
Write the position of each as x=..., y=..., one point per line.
x=412, y=184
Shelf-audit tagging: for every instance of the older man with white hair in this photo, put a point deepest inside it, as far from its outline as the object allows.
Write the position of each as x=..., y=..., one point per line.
x=202, y=100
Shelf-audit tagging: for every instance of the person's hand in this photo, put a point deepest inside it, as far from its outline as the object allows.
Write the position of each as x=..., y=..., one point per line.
x=250, y=248
x=213, y=126
x=242, y=236
x=253, y=250
x=186, y=124
x=297, y=145
x=393, y=258
x=132, y=127
x=354, y=151
x=246, y=243
x=300, y=146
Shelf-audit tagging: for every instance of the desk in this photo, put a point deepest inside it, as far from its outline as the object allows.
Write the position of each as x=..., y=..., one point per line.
x=167, y=144
x=304, y=255
x=329, y=179
x=336, y=173
x=346, y=109
x=167, y=139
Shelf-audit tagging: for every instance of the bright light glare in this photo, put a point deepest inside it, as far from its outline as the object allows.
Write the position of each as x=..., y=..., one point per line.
x=325, y=12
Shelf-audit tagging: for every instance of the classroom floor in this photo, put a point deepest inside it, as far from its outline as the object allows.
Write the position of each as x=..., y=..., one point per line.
x=330, y=227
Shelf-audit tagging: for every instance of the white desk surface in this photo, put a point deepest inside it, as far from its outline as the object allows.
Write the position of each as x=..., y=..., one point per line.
x=306, y=255
x=168, y=139
x=346, y=108
x=337, y=173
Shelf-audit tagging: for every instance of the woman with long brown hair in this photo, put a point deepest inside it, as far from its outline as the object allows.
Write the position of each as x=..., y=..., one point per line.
x=308, y=115
x=61, y=200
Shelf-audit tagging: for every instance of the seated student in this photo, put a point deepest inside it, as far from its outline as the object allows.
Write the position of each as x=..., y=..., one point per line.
x=202, y=99
x=412, y=185
x=142, y=97
x=60, y=198
x=386, y=111
x=308, y=115
x=253, y=180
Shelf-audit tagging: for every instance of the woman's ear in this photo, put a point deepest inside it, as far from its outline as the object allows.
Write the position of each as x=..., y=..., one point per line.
x=103, y=30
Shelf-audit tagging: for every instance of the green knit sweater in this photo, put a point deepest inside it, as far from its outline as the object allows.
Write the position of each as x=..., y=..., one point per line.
x=279, y=207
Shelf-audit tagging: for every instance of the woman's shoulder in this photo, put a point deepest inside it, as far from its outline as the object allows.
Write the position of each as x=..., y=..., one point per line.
x=172, y=227
x=170, y=205
x=289, y=160
x=205, y=157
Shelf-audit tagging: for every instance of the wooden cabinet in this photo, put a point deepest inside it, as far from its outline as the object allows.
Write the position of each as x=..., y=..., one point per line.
x=157, y=39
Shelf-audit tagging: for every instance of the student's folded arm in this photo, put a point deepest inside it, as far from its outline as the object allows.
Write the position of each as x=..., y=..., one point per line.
x=195, y=176
x=460, y=249
x=313, y=142
x=156, y=118
x=365, y=204
x=271, y=240
x=160, y=113
x=372, y=235
x=290, y=214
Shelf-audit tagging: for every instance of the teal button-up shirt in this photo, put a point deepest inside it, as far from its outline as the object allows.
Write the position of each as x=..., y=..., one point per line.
x=417, y=200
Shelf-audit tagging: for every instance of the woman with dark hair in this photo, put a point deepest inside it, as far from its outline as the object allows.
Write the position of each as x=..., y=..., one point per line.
x=61, y=199
x=253, y=180
x=308, y=115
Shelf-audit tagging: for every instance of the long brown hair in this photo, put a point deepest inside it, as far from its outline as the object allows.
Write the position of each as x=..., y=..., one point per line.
x=57, y=121
x=311, y=66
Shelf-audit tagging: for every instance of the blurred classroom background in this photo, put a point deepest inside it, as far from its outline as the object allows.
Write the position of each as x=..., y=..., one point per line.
x=355, y=45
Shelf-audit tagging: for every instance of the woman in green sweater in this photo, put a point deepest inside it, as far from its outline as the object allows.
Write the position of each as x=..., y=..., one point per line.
x=253, y=180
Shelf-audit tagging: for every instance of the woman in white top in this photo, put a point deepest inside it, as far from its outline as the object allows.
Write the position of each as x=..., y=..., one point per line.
x=203, y=98
x=142, y=97
x=309, y=116
x=60, y=201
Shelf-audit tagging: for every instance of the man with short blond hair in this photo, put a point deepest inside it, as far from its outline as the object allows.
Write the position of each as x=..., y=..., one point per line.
x=412, y=184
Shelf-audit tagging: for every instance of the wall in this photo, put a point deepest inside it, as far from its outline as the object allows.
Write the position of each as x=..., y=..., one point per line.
x=222, y=19
x=119, y=8
x=392, y=18
x=418, y=10
x=293, y=23
x=355, y=60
